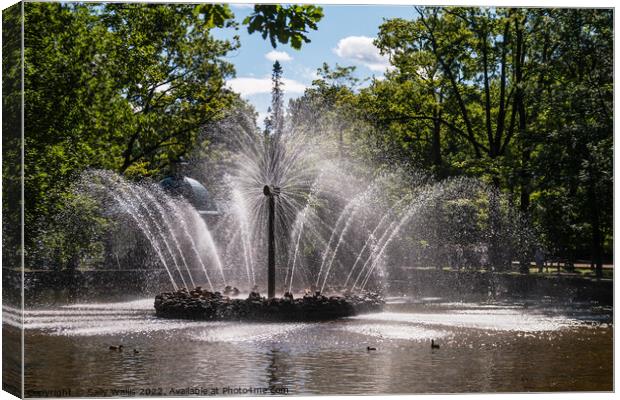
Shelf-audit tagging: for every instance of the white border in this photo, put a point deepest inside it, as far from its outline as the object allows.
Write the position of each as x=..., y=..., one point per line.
x=505, y=3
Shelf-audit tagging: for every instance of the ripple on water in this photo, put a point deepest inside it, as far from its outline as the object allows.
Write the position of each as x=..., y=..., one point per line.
x=91, y=319
x=141, y=304
x=491, y=319
x=124, y=326
x=137, y=316
x=250, y=332
x=395, y=331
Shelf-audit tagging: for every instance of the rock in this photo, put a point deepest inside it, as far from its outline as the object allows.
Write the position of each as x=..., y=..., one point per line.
x=205, y=305
x=254, y=296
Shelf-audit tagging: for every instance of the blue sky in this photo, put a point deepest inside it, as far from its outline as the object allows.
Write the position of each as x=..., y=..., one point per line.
x=344, y=36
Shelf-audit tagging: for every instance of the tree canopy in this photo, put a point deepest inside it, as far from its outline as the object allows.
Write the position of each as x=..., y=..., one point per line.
x=125, y=87
x=521, y=98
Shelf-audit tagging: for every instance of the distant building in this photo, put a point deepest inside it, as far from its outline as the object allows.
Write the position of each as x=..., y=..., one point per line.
x=193, y=191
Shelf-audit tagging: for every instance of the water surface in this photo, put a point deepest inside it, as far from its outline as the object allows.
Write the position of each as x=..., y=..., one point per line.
x=484, y=348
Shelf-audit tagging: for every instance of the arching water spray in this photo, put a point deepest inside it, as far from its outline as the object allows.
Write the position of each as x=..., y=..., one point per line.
x=130, y=191
x=147, y=232
x=163, y=215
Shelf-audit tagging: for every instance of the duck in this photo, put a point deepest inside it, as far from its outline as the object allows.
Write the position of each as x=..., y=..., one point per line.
x=368, y=348
x=136, y=351
x=117, y=348
x=433, y=344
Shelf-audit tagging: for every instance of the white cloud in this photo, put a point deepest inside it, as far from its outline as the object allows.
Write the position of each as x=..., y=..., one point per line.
x=274, y=56
x=309, y=73
x=361, y=49
x=247, y=86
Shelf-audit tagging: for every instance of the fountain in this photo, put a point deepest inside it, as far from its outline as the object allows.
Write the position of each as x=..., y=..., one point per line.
x=330, y=231
x=207, y=305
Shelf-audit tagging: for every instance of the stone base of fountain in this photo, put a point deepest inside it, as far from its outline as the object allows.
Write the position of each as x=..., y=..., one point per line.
x=200, y=304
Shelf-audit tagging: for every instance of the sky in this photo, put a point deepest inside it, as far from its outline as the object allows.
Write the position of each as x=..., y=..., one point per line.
x=344, y=37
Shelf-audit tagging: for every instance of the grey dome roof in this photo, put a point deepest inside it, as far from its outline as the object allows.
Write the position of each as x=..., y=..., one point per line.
x=192, y=190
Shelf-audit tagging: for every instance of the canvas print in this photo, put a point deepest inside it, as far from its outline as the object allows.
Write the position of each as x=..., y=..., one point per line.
x=219, y=199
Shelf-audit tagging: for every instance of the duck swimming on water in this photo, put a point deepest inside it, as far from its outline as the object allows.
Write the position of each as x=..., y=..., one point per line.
x=433, y=344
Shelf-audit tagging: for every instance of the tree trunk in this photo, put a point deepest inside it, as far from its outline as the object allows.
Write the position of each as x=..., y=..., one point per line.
x=524, y=204
x=494, y=250
x=520, y=106
x=597, y=245
x=436, y=143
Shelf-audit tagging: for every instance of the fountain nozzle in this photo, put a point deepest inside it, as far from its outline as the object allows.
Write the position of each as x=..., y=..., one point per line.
x=269, y=190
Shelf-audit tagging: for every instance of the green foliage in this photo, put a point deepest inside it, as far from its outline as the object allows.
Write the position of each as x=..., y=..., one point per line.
x=520, y=98
x=11, y=136
x=174, y=84
x=328, y=108
x=575, y=200
x=523, y=99
x=125, y=87
x=284, y=23
x=75, y=235
x=459, y=60
x=118, y=86
x=215, y=15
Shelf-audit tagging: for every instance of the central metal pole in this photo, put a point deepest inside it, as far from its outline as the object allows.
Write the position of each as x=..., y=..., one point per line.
x=271, y=251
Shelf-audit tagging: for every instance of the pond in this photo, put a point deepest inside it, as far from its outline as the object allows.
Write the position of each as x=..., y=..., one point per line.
x=484, y=347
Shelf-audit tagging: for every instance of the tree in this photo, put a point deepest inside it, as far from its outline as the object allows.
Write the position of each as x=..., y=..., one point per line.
x=329, y=107
x=274, y=123
x=416, y=143
x=575, y=164
x=11, y=141
x=121, y=87
x=462, y=57
x=174, y=84
x=519, y=97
